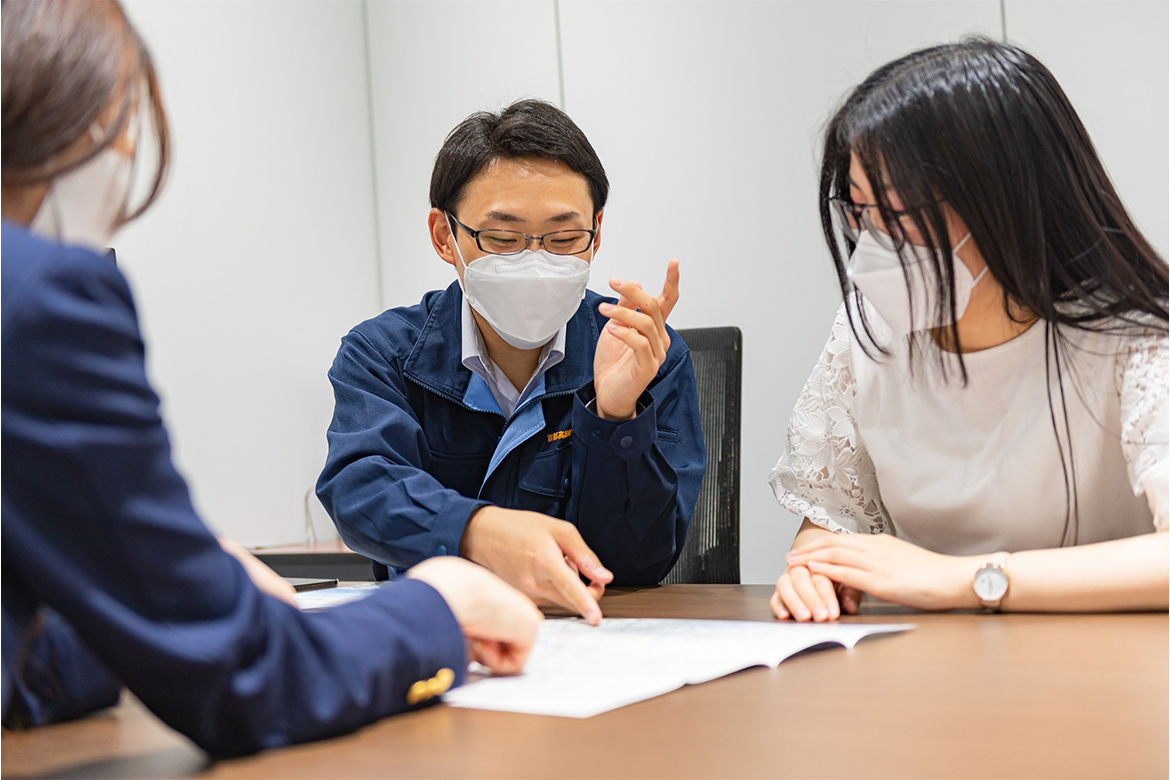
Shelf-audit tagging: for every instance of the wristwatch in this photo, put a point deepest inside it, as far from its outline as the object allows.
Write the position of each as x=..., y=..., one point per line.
x=991, y=581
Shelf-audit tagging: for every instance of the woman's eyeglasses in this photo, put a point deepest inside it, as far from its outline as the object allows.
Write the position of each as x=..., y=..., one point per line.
x=852, y=218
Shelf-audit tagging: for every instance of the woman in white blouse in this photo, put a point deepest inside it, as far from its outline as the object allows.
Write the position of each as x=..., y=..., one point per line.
x=988, y=422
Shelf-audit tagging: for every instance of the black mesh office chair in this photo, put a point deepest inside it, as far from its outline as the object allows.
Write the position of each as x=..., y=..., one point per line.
x=711, y=552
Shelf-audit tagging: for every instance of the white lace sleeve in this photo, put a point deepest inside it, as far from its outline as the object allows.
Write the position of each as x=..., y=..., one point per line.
x=1143, y=383
x=825, y=473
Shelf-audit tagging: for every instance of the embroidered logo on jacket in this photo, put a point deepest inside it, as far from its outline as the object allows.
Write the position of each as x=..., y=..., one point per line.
x=560, y=435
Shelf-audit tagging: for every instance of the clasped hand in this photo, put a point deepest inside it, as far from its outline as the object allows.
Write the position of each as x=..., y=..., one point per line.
x=830, y=573
x=633, y=344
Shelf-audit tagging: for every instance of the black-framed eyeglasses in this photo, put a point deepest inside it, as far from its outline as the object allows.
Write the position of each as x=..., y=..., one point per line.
x=513, y=242
x=851, y=218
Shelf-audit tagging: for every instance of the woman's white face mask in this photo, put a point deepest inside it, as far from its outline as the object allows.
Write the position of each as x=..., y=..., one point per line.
x=84, y=205
x=877, y=271
x=526, y=297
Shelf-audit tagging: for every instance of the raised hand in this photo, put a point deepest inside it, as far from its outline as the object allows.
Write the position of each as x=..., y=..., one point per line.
x=632, y=346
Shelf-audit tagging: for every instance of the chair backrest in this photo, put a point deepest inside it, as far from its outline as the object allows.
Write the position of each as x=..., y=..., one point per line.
x=711, y=552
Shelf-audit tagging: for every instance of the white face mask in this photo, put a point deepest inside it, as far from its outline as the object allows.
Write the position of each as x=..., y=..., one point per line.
x=877, y=272
x=83, y=205
x=526, y=297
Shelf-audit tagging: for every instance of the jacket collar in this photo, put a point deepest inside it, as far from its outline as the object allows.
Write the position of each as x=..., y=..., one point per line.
x=436, y=362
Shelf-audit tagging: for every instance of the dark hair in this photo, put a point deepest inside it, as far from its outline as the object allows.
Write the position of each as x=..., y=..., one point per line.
x=531, y=129
x=66, y=65
x=985, y=128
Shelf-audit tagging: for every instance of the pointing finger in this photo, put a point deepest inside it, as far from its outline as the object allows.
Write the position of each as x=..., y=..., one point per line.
x=669, y=296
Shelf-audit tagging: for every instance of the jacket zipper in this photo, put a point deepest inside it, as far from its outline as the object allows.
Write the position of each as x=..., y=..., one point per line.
x=461, y=405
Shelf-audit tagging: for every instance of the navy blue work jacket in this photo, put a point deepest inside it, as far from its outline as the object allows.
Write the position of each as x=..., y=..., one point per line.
x=110, y=578
x=418, y=443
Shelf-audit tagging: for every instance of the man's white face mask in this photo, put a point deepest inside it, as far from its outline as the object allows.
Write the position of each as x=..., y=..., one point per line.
x=83, y=206
x=526, y=297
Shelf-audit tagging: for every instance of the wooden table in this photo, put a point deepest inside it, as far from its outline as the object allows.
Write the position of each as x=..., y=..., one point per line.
x=963, y=695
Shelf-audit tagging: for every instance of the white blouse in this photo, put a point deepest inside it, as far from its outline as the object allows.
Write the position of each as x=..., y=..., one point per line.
x=874, y=447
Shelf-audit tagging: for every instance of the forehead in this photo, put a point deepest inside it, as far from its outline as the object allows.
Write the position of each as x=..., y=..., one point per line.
x=857, y=177
x=527, y=188
x=860, y=184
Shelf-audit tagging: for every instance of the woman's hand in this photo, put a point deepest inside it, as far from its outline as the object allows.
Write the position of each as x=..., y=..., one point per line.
x=802, y=596
x=890, y=569
x=262, y=577
x=498, y=621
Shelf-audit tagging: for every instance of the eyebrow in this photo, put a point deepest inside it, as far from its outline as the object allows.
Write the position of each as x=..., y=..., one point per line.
x=503, y=216
x=853, y=184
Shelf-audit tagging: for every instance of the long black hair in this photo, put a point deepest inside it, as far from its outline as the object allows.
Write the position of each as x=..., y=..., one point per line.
x=985, y=128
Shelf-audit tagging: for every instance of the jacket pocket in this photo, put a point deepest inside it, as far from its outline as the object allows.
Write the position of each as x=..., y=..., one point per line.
x=544, y=482
x=463, y=473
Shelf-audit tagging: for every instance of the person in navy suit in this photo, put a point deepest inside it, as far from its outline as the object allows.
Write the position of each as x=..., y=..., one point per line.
x=109, y=576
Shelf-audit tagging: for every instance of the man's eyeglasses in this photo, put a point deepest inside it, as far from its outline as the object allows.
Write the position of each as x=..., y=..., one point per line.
x=512, y=242
x=851, y=218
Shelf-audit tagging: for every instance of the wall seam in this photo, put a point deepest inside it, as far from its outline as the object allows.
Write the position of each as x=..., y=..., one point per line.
x=373, y=158
x=1003, y=18
x=560, y=56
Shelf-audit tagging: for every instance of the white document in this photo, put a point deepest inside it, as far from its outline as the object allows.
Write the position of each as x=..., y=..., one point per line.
x=312, y=600
x=577, y=670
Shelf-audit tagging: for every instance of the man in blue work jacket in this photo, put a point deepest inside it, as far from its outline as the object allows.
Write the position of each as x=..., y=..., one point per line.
x=515, y=418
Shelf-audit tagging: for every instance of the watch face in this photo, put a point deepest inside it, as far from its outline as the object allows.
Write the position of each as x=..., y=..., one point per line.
x=990, y=584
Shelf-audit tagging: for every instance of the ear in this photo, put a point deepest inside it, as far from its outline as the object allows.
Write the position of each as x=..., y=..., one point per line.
x=441, y=238
x=597, y=238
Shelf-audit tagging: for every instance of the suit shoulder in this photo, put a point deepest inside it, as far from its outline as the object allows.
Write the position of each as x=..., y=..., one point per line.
x=38, y=273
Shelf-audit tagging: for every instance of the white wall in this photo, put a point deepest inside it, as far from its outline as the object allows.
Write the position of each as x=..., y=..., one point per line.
x=273, y=240
x=261, y=253
x=432, y=64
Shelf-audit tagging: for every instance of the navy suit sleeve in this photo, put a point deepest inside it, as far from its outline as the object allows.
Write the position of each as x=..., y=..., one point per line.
x=635, y=483
x=60, y=679
x=375, y=484
x=99, y=526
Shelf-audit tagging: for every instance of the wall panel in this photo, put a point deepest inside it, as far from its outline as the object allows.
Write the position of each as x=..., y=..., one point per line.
x=261, y=253
x=431, y=65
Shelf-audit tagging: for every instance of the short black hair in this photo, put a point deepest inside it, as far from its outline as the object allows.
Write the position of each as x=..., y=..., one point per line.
x=527, y=129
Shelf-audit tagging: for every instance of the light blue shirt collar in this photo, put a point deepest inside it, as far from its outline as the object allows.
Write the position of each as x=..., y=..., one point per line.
x=476, y=360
